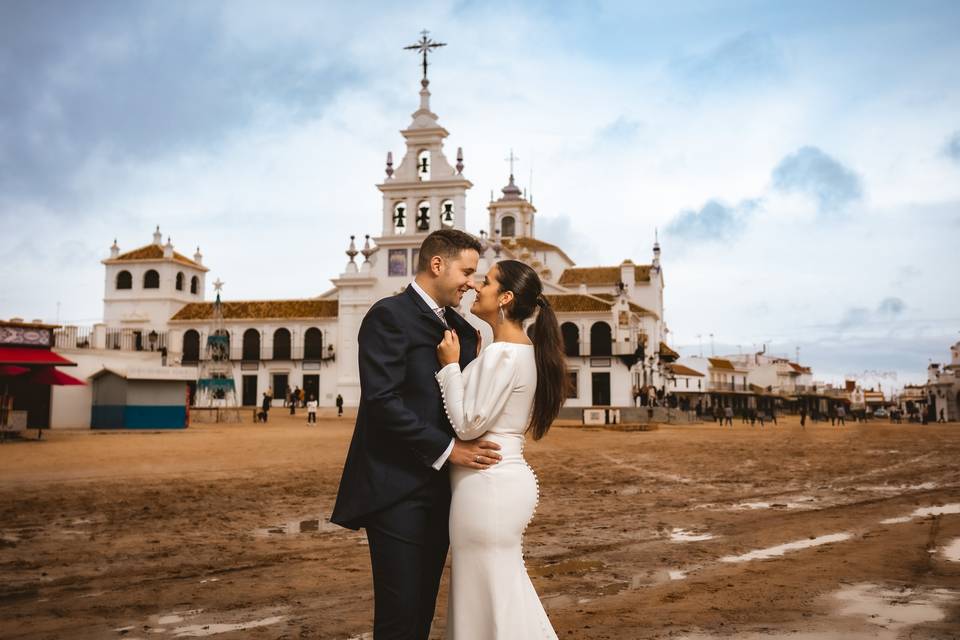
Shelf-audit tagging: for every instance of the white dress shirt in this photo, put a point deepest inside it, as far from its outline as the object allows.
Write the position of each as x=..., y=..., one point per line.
x=433, y=305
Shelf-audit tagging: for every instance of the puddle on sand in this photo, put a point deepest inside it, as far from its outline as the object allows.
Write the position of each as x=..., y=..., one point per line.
x=798, y=502
x=781, y=549
x=952, y=550
x=295, y=527
x=893, y=609
x=925, y=486
x=682, y=535
x=200, y=630
x=924, y=512
x=884, y=615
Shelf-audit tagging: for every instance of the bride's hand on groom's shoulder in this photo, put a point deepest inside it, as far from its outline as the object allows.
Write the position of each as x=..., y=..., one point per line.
x=448, y=351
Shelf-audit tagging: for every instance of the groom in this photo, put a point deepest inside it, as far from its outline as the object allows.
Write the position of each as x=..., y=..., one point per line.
x=395, y=481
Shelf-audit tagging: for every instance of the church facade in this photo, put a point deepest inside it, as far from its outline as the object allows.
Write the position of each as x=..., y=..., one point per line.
x=612, y=316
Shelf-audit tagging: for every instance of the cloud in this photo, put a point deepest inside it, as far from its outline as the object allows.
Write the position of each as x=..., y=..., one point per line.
x=110, y=84
x=713, y=222
x=952, y=147
x=891, y=306
x=558, y=230
x=620, y=131
x=748, y=58
x=811, y=172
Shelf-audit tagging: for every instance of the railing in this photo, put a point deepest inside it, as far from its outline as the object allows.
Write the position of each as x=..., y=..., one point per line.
x=119, y=339
x=267, y=352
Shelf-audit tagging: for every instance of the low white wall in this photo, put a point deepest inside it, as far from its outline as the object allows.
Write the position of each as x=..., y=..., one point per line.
x=70, y=406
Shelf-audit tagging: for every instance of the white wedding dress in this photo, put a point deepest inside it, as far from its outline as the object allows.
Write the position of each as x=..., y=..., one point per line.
x=491, y=596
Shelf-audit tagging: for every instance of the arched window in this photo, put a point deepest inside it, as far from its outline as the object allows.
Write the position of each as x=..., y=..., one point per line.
x=151, y=280
x=571, y=338
x=447, y=218
x=124, y=280
x=423, y=165
x=180, y=281
x=194, y=284
x=191, y=346
x=400, y=217
x=281, y=344
x=600, y=339
x=251, y=344
x=312, y=344
x=508, y=227
x=423, y=216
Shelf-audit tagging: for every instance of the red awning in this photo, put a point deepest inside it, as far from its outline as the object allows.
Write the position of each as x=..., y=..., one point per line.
x=49, y=375
x=11, y=370
x=28, y=356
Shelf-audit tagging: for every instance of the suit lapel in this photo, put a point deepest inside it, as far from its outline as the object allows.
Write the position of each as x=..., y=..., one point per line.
x=423, y=307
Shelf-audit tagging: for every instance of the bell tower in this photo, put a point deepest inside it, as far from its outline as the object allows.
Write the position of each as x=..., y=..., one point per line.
x=424, y=193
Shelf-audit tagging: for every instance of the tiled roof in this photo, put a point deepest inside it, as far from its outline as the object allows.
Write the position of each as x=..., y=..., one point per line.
x=667, y=352
x=573, y=302
x=633, y=305
x=261, y=309
x=683, y=370
x=153, y=252
x=532, y=244
x=601, y=275
x=721, y=363
x=799, y=369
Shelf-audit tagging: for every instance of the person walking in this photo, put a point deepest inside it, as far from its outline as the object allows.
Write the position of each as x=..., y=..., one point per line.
x=728, y=415
x=942, y=418
x=265, y=407
x=312, y=410
x=803, y=417
x=339, y=405
x=841, y=416
x=293, y=401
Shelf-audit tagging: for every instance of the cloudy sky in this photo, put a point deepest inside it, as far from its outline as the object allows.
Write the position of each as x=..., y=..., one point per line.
x=801, y=161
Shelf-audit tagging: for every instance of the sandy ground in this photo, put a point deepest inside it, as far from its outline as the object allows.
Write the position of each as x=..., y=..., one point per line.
x=220, y=530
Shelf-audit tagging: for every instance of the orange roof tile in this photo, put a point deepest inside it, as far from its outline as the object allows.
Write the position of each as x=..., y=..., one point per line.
x=683, y=370
x=721, y=363
x=153, y=252
x=601, y=275
x=667, y=352
x=261, y=309
x=574, y=302
x=800, y=369
x=533, y=244
x=633, y=305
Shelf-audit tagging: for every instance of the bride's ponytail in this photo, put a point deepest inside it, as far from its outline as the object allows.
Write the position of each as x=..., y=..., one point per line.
x=552, y=381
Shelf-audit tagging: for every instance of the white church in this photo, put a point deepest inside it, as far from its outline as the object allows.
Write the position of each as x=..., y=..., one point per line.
x=611, y=316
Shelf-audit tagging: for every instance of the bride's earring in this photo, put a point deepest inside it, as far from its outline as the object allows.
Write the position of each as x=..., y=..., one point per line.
x=502, y=318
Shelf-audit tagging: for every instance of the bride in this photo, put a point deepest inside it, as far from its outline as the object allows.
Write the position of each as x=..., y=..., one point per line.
x=513, y=387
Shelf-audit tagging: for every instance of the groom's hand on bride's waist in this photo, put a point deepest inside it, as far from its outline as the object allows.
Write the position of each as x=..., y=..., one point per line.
x=475, y=454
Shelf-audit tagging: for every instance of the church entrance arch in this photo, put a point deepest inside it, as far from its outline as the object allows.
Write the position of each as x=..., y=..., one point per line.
x=600, y=383
x=311, y=386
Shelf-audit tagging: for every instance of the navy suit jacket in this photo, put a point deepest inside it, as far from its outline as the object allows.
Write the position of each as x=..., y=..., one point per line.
x=402, y=428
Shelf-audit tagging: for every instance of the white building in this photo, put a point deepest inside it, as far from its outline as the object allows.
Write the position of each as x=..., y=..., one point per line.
x=612, y=316
x=943, y=387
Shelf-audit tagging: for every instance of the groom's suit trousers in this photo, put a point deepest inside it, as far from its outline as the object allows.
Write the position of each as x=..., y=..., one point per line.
x=408, y=548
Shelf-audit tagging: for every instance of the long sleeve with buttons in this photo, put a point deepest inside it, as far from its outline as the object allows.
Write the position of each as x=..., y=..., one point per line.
x=475, y=398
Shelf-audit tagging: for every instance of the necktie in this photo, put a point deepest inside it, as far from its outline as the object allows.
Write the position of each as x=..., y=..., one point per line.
x=441, y=313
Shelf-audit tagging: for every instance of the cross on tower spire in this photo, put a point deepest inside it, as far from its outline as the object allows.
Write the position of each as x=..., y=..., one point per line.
x=511, y=159
x=423, y=46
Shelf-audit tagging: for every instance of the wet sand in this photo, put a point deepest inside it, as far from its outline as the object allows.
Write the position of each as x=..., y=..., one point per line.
x=694, y=532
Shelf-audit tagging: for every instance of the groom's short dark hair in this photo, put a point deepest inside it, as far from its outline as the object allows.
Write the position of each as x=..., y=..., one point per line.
x=446, y=243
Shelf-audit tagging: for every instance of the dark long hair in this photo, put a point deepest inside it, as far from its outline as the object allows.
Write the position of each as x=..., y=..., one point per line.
x=547, y=341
